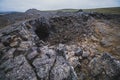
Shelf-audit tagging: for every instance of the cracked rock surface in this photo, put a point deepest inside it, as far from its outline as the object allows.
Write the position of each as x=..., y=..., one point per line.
x=23, y=59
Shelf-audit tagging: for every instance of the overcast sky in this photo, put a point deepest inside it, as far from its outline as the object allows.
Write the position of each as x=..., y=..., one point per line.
x=23, y=5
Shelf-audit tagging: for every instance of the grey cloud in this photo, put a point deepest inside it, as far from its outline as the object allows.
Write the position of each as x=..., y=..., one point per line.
x=22, y=5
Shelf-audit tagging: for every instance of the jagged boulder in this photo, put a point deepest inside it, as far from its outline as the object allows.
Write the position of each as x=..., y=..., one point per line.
x=105, y=67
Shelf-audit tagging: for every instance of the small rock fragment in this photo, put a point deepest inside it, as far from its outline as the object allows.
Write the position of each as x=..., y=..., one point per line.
x=85, y=54
x=78, y=52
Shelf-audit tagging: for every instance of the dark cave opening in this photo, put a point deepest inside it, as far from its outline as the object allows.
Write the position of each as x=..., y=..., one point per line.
x=41, y=27
x=42, y=32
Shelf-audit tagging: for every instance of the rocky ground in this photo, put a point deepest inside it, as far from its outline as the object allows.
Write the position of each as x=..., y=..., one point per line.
x=61, y=46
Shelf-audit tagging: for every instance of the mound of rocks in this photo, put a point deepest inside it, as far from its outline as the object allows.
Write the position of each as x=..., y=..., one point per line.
x=48, y=49
x=21, y=58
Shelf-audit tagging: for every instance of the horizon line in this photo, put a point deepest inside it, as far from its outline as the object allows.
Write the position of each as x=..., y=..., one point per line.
x=61, y=9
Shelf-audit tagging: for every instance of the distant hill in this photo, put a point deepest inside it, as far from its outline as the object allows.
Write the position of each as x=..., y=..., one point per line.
x=112, y=10
x=11, y=12
x=7, y=18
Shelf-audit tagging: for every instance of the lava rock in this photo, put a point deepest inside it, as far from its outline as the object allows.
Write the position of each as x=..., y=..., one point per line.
x=79, y=52
x=85, y=54
x=62, y=70
x=105, y=67
x=32, y=54
x=53, y=66
x=105, y=42
x=18, y=68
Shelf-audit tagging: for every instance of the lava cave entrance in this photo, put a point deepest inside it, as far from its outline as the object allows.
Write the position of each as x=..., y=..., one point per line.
x=42, y=32
x=41, y=28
